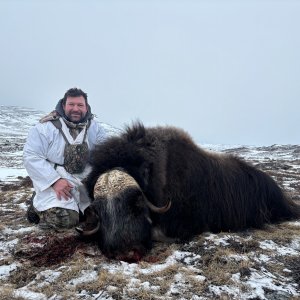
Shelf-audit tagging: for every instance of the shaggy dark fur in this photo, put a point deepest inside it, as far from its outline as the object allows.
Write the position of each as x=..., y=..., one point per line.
x=209, y=191
x=126, y=232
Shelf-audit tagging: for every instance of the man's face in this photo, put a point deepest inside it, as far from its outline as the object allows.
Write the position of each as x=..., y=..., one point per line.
x=75, y=108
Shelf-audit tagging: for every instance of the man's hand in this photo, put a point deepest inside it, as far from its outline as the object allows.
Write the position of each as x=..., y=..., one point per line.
x=62, y=188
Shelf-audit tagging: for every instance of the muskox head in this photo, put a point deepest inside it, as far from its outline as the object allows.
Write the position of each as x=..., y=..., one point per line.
x=119, y=216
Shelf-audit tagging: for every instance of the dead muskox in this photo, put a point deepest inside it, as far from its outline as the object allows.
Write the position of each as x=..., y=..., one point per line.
x=208, y=191
x=120, y=216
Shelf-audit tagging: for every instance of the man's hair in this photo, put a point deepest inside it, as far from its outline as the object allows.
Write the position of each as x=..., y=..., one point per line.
x=74, y=92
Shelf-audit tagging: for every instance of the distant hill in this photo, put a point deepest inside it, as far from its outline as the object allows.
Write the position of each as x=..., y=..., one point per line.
x=16, y=121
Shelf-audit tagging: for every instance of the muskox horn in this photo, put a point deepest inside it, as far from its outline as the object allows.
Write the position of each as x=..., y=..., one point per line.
x=88, y=232
x=156, y=209
x=92, y=223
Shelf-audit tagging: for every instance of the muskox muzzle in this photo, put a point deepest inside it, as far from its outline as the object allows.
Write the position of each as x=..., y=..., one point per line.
x=119, y=217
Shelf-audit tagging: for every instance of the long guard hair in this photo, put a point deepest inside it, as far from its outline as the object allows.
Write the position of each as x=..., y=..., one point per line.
x=209, y=191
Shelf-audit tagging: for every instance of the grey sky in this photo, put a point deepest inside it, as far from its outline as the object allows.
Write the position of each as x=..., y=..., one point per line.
x=225, y=71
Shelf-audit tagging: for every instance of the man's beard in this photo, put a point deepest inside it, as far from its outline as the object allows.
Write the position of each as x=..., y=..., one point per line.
x=78, y=117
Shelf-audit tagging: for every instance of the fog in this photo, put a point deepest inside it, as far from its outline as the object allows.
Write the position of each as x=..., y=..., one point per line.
x=225, y=71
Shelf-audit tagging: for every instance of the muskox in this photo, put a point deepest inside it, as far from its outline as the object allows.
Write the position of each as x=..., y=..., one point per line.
x=207, y=191
x=119, y=216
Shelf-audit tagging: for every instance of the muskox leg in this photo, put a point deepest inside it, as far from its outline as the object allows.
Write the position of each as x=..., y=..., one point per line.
x=159, y=236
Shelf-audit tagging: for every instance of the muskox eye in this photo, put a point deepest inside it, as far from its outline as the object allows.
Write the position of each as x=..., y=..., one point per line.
x=137, y=204
x=140, y=201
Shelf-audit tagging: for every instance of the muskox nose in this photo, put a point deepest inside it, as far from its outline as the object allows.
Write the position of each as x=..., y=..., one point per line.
x=130, y=253
x=133, y=256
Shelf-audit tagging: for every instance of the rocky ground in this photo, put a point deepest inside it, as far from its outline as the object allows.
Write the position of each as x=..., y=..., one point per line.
x=254, y=264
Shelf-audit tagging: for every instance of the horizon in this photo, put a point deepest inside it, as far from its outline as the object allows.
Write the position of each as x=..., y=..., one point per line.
x=34, y=120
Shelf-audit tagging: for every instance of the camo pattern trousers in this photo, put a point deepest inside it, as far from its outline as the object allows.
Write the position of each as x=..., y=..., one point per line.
x=58, y=218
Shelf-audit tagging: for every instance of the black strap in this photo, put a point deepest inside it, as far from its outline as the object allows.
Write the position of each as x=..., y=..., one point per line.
x=57, y=124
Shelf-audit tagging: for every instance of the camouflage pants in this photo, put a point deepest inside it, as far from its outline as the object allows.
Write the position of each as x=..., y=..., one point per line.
x=58, y=218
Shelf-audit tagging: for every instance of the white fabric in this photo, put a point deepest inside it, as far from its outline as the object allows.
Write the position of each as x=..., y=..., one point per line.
x=43, y=149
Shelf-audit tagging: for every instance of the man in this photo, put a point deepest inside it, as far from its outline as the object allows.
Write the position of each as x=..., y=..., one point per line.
x=56, y=157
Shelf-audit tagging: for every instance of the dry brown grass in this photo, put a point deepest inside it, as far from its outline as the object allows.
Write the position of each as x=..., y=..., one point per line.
x=103, y=283
x=293, y=264
x=280, y=233
x=217, y=268
x=242, y=245
x=74, y=268
x=162, y=278
x=7, y=293
x=22, y=276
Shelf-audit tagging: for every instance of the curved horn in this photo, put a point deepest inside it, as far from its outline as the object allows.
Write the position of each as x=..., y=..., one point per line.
x=88, y=232
x=156, y=209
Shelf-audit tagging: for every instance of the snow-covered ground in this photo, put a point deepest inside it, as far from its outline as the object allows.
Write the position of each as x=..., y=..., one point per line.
x=258, y=264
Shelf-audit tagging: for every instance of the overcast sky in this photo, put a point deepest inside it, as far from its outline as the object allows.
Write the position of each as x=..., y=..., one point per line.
x=225, y=71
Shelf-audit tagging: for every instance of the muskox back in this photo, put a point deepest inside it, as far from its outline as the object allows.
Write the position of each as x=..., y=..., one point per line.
x=208, y=191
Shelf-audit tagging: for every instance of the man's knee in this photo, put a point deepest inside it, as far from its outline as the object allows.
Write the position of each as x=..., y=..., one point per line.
x=58, y=217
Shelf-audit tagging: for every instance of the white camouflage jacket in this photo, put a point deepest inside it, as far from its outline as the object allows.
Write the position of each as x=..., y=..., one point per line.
x=43, y=149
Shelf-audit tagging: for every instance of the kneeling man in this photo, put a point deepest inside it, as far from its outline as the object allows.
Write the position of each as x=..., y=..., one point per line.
x=56, y=156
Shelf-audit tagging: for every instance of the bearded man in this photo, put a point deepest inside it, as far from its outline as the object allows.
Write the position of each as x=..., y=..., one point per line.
x=56, y=155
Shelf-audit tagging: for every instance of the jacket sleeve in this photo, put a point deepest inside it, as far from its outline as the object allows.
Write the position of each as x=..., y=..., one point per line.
x=39, y=169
